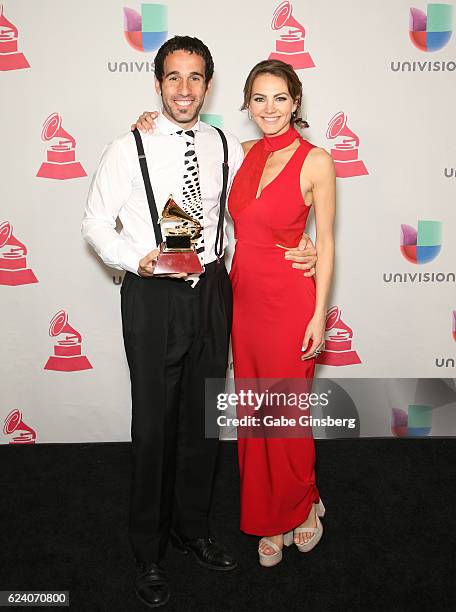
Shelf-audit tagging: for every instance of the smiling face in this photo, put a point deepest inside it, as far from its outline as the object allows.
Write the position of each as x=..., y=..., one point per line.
x=183, y=87
x=271, y=104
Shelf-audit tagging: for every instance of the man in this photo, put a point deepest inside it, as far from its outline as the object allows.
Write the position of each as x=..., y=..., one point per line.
x=176, y=329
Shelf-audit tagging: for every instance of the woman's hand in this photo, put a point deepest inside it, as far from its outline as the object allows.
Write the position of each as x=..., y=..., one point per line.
x=315, y=332
x=145, y=122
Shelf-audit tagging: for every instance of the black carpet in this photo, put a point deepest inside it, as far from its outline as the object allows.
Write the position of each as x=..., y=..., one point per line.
x=389, y=541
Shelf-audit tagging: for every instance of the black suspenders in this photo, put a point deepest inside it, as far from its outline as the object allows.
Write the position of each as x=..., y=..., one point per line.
x=151, y=197
x=148, y=186
x=221, y=219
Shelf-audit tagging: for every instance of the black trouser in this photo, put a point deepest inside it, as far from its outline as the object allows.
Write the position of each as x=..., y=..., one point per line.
x=175, y=336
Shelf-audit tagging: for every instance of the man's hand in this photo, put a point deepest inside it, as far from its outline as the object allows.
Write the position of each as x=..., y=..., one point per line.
x=304, y=255
x=145, y=122
x=147, y=264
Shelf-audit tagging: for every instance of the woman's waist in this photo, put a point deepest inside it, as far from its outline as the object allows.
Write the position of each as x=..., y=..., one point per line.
x=265, y=235
x=273, y=243
x=253, y=242
x=266, y=262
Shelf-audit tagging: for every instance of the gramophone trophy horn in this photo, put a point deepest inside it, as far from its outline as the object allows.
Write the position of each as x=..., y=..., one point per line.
x=10, y=57
x=7, y=238
x=59, y=325
x=14, y=422
x=13, y=261
x=177, y=252
x=173, y=212
x=5, y=233
x=345, y=152
x=67, y=355
x=338, y=127
x=283, y=17
x=333, y=320
x=338, y=342
x=52, y=128
x=290, y=45
x=61, y=157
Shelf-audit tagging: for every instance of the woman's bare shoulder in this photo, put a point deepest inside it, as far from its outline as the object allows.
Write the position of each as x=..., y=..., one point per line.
x=248, y=144
x=319, y=161
x=320, y=155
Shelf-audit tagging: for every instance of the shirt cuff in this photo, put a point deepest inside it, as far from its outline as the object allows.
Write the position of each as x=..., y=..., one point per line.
x=129, y=259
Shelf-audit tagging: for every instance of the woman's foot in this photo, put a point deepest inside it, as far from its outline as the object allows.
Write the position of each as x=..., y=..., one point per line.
x=270, y=548
x=266, y=549
x=303, y=537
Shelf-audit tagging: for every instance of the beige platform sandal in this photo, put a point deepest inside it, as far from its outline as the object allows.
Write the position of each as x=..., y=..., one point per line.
x=320, y=509
x=271, y=560
x=316, y=531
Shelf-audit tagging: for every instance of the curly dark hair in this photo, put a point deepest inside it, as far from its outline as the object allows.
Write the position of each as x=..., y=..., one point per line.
x=184, y=43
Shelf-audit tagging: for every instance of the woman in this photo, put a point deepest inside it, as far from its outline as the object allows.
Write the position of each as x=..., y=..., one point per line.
x=279, y=314
x=277, y=311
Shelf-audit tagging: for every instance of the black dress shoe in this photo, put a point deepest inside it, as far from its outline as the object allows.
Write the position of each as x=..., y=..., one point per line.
x=151, y=586
x=206, y=552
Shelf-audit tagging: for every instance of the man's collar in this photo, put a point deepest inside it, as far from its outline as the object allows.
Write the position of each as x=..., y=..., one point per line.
x=165, y=126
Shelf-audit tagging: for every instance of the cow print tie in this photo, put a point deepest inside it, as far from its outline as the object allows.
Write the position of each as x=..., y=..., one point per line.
x=192, y=202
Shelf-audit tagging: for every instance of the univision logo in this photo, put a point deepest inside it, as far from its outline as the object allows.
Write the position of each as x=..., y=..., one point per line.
x=431, y=31
x=147, y=31
x=144, y=32
x=420, y=246
x=428, y=32
x=415, y=423
x=212, y=119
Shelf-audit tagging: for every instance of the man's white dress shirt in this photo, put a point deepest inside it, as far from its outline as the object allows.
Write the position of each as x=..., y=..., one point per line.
x=117, y=190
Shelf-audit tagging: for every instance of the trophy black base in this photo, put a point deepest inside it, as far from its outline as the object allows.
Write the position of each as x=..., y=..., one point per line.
x=175, y=261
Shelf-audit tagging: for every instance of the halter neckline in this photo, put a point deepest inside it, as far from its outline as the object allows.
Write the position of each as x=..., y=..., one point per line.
x=275, y=143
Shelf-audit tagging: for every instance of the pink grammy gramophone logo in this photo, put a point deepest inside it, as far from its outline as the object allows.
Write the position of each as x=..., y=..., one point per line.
x=10, y=57
x=13, y=264
x=290, y=45
x=338, y=349
x=67, y=355
x=345, y=151
x=23, y=434
x=61, y=157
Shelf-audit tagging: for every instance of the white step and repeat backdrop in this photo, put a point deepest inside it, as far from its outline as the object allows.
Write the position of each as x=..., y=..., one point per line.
x=379, y=94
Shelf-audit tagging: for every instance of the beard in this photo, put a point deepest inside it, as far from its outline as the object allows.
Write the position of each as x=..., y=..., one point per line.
x=183, y=117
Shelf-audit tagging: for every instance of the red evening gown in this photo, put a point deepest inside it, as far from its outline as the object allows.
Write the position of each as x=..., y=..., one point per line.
x=273, y=304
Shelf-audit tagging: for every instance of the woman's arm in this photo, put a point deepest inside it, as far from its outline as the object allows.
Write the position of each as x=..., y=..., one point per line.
x=324, y=197
x=321, y=172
